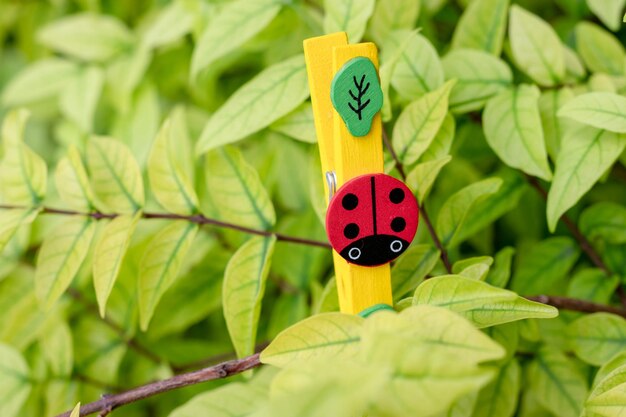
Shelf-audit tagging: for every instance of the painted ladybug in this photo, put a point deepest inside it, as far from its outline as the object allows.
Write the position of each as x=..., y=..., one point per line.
x=372, y=219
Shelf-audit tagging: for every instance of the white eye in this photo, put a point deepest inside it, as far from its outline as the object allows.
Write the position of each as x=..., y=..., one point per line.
x=354, y=253
x=396, y=246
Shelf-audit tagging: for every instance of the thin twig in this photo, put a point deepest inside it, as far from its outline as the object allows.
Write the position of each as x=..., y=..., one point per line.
x=573, y=304
x=202, y=363
x=433, y=234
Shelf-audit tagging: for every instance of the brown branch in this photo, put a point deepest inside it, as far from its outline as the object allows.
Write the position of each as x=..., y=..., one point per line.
x=573, y=304
x=433, y=234
x=199, y=219
x=223, y=370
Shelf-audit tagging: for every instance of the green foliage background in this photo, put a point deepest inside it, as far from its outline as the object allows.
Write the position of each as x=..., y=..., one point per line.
x=158, y=158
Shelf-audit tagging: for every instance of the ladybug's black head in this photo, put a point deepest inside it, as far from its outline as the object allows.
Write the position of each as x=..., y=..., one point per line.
x=374, y=250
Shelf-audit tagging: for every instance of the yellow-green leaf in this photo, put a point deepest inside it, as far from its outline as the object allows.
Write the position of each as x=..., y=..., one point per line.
x=601, y=110
x=80, y=97
x=173, y=22
x=243, y=290
x=608, y=398
x=599, y=49
x=298, y=124
x=392, y=15
x=349, y=16
x=11, y=220
x=549, y=104
x=598, y=337
x=60, y=257
x=608, y=11
x=15, y=381
x=421, y=178
x=323, y=335
x=76, y=411
x=115, y=175
x=72, y=182
x=478, y=301
x=482, y=26
x=474, y=268
x=109, y=253
x=160, y=264
x=233, y=399
x=411, y=268
x=499, y=397
x=57, y=349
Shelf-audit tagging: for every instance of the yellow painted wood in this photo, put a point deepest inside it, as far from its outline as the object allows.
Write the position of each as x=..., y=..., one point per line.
x=358, y=287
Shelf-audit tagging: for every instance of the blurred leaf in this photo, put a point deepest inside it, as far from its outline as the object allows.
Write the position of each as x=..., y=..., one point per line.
x=172, y=23
x=482, y=26
x=549, y=104
x=344, y=15
x=606, y=220
x=473, y=268
x=398, y=42
x=298, y=124
x=12, y=220
x=601, y=110
x=76, y=411
x=233, y=25
x=61, y=255
x=574, y=68
x=597, y=337
x=58, y=350
x=479, y=76
x=499, y=275
x=609, y=12
x=536, y=48
x=513, y=130
x=87, y=37
x=72, y=182
x=600, y=50
x=618, y=361
x=499, y=397
x=234, y=399
x=594, y=285
x=98, y=349
x=393, y=15
x=608, y=397
x=79, y=99
x=329, y=298
x=411, y=268
x=442, y=143
x=243, y=290
x=423, y=176
x=14, y=381
x=270, y=95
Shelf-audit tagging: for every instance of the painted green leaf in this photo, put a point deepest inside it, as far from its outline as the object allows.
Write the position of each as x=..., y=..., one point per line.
x=419, y=122
x=478, y=301
x=608, y=397
x=392, y=15
x=549, y=104
x=597, y=337
x=557, y=383
x=173, y=22
x=592, y=284
x=15, y=381
x=423, y=176
x=474, y=268
x=237, y=191
x=608, y=11
x=601, y=110
x=536, y=48
x=544, y=265
x=169, y=182
x=323, y=335
x=599, y=49
x=109, y=253
x=411, y=268
x=58, y=350
x=79, y=98
x=455, y=210
x=482, y=26
x=500, y=274
x=298, y=124
x=11, y=220
x=87, y=36
x=23, y=172
x=234, y=24
x=585, y=155
x=60, y=257
x=479, y=76
x=418, y=70
x=234, y=399
x=605, y=219
x=115, y=175
x=356, y=95
x=72, y=182
x=499, y=397
x=160, y=264
x=41, y=80
x=512, y=127
x=348, y=16
x=243, y=290
x=270, y=95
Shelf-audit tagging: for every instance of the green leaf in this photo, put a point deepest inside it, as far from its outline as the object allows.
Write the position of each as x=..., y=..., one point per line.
x=269, y=96
x=79, y=98
x=41, y=80
x=412, y=267
x=160, y=264
x=574, y=69
x=398, y=43
x=593, y=284
x=418, y=70
x=618, y=361
x=455, y=210
x=601, y=110
x=243, y=290
x=479, y=76
x=173, y=22
x=474, y=268
x=23, y=172
x=75, y=411
x=423, y=176
x=598, y=337
x=512, y=127
x=57, y=349
x=323, y=335
x=609, y=12
x=557, y=383
x=298, y=124
x=419, y=122
x=87, y=37
x=608, y=396
x=237, y=191
x=60, y=257
x=499, y=397
x=544, y=265
x=606, y=220
x=349, y=16
x=536, y=48
x=108, y=255
x=72, y=182
x=115, y=175
x=549, y=104
x=478, y=301
x=482, y=26
x=599, y=49
x=585, y=155
x=442, y=143
x=98, y=349
x=499, y=275
x=233, y=25
x=170, y=183
x=11, y=220
x=14, y=381
x=392, y=15
x=234, y=399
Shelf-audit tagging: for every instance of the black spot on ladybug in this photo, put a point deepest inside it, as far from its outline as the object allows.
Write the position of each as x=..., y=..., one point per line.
x=396, y=195
x=398, y=224
x=374, y=250
x=350, y=201
x=351, y=231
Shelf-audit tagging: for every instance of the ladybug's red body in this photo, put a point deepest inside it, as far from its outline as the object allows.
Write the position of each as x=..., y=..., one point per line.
x=372, y=219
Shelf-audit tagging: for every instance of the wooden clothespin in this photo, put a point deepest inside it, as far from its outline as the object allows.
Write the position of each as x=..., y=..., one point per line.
x=371, y=217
